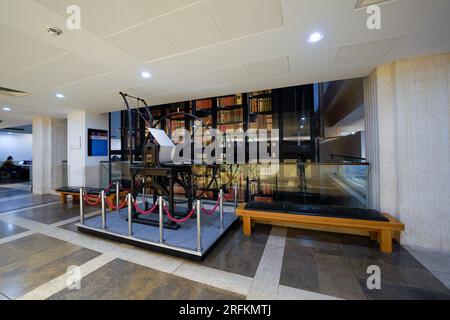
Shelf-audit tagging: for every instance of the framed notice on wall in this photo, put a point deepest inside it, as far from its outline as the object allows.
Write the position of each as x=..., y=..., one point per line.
x=97, y=143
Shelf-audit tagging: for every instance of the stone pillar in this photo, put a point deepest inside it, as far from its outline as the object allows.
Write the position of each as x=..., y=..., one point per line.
x=49, y=151
x=408, y=145
x=83, y=169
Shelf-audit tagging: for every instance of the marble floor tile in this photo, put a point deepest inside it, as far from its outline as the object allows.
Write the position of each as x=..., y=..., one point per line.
x=216, y=278
x=32, y=261
x=397, y=292
x=327, y=243
x=432, y=260
x=8, y=229
x=27, y=202
x=267, y=277
x=288, y=293
x=53, y=213
x=237, y=253
x=444, y=277
x=124, y=280
x=336, y=277
x=400, y=275
x=13, y=193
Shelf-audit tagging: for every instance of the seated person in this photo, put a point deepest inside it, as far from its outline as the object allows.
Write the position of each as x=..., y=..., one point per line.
x=8, y=166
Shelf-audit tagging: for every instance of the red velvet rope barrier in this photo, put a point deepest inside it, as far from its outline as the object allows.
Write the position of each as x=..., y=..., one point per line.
x=211, y=212
x=89, y=203
x=179, y=220
x=140, y=211
x=112, y=206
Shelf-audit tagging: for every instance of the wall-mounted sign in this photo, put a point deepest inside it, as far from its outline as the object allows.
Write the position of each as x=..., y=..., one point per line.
x=75, y=143
x=97, y=143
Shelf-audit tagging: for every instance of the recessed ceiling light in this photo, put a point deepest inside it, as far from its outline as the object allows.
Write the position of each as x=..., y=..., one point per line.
x=146, y=75
x=10, y=133
x=7, y=109
x=315, y=37
x=55, y=31
x=60, y=96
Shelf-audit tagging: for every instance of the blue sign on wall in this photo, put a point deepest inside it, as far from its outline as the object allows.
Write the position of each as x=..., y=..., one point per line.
x=97, y=143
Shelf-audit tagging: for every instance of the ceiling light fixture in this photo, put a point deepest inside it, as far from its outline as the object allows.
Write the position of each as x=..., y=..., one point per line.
x=60, y=96
x=7, y=109
x=315, y=37
x=146, y=75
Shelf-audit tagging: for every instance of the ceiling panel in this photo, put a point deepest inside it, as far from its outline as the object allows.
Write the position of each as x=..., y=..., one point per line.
x=237, y=18
x=116, y=80
x=268, y=68
x=20, y=51
x=157, y=88
x=143, y=42
x=367, y=51
x=217, y=77
x=189, y=28
x=116, y=15
x=62, y=70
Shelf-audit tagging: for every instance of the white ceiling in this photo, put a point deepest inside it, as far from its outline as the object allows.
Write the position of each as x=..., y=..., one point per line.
x=197, y=49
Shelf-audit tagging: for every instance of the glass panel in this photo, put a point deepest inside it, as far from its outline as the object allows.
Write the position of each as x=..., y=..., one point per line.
x=302, y=183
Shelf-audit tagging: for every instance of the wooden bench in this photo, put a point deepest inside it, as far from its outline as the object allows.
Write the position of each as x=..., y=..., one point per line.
x=377, y=230
x=76, y=196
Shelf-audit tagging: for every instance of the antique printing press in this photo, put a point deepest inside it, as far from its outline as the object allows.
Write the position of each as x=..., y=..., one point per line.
x=158, y=176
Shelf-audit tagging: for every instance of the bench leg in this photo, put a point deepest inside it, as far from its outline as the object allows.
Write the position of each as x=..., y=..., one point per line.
x=63, y=198
x=386, y=241
x=247, y=226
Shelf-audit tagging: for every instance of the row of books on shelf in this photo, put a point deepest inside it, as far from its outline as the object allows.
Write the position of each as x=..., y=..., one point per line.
x=226, y=116
x=203, y=104
x=230, y=100
x=262, y=122
x=261, y=105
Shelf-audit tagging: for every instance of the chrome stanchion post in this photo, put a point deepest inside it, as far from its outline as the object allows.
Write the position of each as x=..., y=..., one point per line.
x=117, y=196
x=199, y=226
x=161, y=219
x=81, y=206
x=221, y=208
x=103, y=210
x=130, y=214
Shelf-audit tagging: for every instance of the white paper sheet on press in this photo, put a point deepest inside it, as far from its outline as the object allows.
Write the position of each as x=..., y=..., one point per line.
x=166, y=145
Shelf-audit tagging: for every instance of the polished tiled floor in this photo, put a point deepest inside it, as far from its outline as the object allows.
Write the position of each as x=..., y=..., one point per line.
x=26, y=201
x=239, y=254
x=336, y=265
x=9, y=229
x=124, y=280
x=54, y=212
x=29, y=262
x=40, y=243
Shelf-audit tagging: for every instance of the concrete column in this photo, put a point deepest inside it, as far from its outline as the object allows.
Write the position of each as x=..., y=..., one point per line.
x=408, y=145
x=83, y=169
x=49, y=151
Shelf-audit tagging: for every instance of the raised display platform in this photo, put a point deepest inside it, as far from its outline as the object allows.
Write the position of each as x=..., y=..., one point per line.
x=181, y=242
